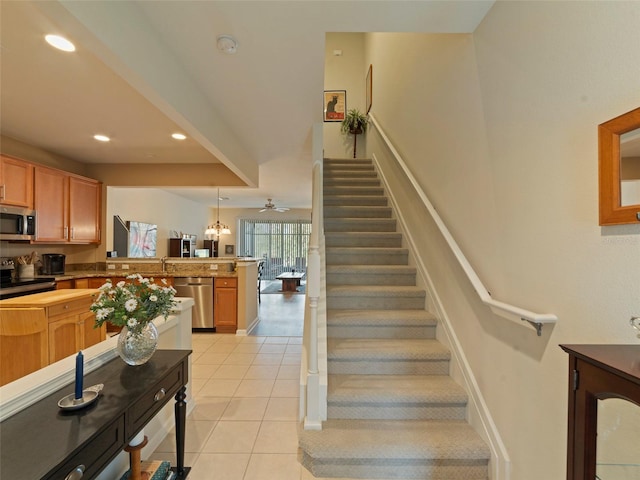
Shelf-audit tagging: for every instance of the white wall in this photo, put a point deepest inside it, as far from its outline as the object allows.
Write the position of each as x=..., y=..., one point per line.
x=154, y=205
x=500, y=128
x=346, y=72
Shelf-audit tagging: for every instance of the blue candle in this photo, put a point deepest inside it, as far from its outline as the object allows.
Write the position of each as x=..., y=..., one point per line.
x=79, y=375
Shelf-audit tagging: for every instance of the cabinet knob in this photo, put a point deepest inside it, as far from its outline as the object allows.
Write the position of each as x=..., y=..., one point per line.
x=76, y=473
x=160, y=395
x=66, y=307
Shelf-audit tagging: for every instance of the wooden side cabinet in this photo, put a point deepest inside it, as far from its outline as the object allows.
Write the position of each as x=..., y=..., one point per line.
x=225, y=306
x=16, y=182
x=596, y=372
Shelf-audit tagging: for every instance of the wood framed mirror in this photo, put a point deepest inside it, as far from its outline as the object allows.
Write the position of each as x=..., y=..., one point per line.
x=619, y=169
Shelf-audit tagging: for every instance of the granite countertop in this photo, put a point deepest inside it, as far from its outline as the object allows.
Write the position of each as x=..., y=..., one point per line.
x=123, y=273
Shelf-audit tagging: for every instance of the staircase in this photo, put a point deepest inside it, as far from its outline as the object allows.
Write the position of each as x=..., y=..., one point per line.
x=393, y=411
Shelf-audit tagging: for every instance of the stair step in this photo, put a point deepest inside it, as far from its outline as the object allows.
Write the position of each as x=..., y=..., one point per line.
x=349, y=173
x=360, y=225
x=352, y=200
x=387, y=356
x=381, y=324
x=366, y=256
x=357, y=211
x=380, y=318
x=370, y=275
x=355, y=162
x=351, y=182
x=395, y=449
x=353, y=190
x=363, y=239
x=375, y=297
x=396, y=397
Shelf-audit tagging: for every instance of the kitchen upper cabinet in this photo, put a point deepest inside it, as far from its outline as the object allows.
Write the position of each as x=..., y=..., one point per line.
x=84, y=210
x=16, y=182
x=67, y=207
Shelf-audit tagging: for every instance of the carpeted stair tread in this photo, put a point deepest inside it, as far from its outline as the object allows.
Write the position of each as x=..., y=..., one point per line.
x=360, y=225
x=400, y=389
x=379, y=318
x=385, y=349
x=357, y=211
x=355, y=200
x=371, y=269
x=375, y=291
x=394, y=439
x=372, y=181
x=363, y=239
x=353, y=190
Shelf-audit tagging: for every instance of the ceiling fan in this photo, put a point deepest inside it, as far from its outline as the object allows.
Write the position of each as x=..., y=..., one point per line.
x=270, y=207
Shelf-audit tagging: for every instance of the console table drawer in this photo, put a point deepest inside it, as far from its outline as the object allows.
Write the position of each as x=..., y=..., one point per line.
x=96, y=454
x=155, y=399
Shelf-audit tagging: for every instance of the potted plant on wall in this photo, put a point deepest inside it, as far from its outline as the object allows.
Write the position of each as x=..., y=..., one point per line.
x=354, y=123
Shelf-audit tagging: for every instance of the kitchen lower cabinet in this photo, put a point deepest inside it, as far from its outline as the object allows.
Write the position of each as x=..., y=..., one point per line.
x=73, y=333
x=225, y=308
x=16, y=182
x=24, y=342
x=61, y=319
x=66, y=284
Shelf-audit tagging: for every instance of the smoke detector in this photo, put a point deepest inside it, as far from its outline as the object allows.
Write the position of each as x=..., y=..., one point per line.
x=227, y=44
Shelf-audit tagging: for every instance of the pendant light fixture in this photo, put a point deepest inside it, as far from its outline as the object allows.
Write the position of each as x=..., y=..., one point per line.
x=217, y=229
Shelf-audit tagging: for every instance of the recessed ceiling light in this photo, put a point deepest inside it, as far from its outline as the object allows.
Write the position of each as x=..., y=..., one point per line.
x=60, y=43
x=179, y=136
x=227, y=44
x=101, y=138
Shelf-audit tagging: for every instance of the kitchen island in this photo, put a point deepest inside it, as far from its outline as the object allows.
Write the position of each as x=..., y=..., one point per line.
x=175, y=333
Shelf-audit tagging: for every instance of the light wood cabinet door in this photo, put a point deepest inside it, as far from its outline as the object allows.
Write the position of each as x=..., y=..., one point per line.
x=225, y=309
x=84, y=210
x=16, y=182
x=66, y=284
x=64, y=338
x=90, y=335
x=23, y=330
x=51, y=204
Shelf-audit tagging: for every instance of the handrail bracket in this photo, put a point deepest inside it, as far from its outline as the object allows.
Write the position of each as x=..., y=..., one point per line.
x=537, y=325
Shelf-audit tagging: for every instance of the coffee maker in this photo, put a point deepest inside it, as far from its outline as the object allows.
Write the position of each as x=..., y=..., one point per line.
x=53, y=263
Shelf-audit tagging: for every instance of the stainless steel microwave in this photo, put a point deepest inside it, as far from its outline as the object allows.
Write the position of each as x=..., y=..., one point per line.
x=17, y=223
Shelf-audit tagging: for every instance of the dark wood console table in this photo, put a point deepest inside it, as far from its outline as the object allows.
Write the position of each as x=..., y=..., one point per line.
x=596, y=372
x=44, y=442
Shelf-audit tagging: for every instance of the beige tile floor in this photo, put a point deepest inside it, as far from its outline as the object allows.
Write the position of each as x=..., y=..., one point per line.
x=244, y=424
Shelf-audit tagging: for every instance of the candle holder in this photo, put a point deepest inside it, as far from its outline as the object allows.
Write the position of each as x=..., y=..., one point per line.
x=89, y=395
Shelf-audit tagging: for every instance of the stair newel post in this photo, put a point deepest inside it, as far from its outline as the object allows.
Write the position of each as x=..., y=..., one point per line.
x=311, y=406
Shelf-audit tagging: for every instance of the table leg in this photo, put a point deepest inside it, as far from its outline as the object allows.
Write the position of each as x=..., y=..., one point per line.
x=180, y=411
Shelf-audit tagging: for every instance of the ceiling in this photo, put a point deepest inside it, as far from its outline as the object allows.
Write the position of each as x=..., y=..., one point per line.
x=145, y=69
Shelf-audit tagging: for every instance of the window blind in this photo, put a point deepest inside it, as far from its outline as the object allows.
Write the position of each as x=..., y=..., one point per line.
x=283, y=244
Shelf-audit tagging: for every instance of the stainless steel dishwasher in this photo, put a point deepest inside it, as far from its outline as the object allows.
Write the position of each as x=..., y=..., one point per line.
x=201, y=290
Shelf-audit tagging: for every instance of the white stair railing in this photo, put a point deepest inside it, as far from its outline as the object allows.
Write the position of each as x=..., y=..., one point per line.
x=505, y=310
x=313, y=372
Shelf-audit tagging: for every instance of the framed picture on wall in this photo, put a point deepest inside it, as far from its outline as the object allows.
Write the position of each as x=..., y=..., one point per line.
x=229, y=249
x=335, y=105
x=369, y=87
